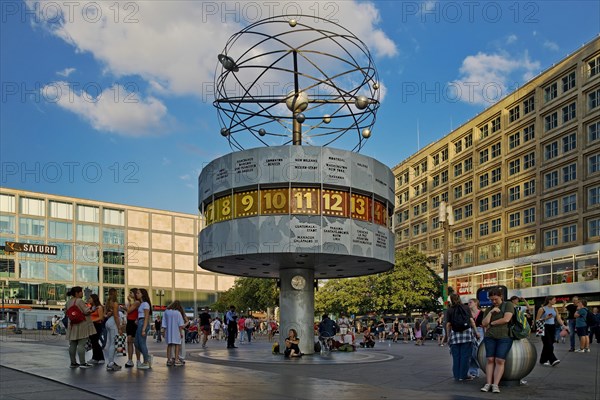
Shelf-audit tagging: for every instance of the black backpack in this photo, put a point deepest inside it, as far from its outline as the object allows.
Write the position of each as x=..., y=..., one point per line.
x=459, y=318
x=590, y=319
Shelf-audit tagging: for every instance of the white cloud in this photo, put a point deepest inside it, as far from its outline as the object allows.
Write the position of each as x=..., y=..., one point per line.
x=551, y=45
x=113, y=110
x=174, y=44
x=485, y=77
x=511, y=39
x=66, y=72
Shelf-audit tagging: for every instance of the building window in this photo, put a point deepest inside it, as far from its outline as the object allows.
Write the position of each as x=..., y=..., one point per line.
x=569, y=234
x=496, y=150
x=87, y=233
x=32, y=227
x=550, y=92
x=496, y=225
x=529, y=242
x=551, y=208
x=593, y=66
x=435, y=222
x=468, y=187
x=458, y=147
x=444, y=154
x=114, y=217
x=416, y=229
x=468, y=164
x=31, y=206
x=496, y=200
x=569, y=203
x=468, y=257
x=514, y=219
x=569, y=173
x=593, y=99
x=496, y=125
x=569, y=142
x=514, y=193
x=550, y=121
x=483, y=181
x=551, y=150
x=514, y=247
x=594, y=163
x=424, y=207
x=484, y=132
x=528, y=161
x=551, y=237
x=457, y=237
x=529, y=133
x=436, y=181
x=484, y=205
x=458, y=169
x=513, y=114
x=514, y=167
x=483, y=156
x=423, y=227
x=7, y=203
x=529, y=215
x=483, y=229
x=88, y=213
x=568, y=82
x=514, y=140
x=569, y=112
x=458, y=192
x=529, y=188
x=436, y=159
x=484, y=253
x=60, y=230
x=32, y=269
x=458, y=214
x=528, y=105
x=496, y=174
x=61, y=210
x=445, y=197
x=87, y=273
x=114, y=276
x=7, y=224
x=593, y=131
x=468, y=141
x=468, y=210
x=416, y=211
x=594, y=228
x=468, y=234
x=444, y=176
x=594, y=196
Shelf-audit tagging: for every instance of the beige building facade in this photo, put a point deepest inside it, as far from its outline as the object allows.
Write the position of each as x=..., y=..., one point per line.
x=100, y=245
x=523, y=181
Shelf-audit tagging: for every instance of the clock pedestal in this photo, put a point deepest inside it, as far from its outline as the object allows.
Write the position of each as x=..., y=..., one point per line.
x=297, y=308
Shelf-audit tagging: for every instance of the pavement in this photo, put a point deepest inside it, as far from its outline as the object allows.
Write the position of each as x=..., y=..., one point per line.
x=34, y=366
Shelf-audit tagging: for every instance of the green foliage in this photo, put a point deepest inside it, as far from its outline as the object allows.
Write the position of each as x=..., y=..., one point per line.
x=410, y=285
x=256, y=294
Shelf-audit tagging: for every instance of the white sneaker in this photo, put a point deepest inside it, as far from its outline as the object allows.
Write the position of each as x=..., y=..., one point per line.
x=150, y=358
x=138, y=363
x=486, y=387
x=587, y=350
x=143, y=366
x=495, y=389
x=580, y=351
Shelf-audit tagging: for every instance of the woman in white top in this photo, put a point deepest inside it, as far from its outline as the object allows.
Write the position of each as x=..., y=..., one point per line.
x=113, y=328
x=143, y=326
x=547, y=313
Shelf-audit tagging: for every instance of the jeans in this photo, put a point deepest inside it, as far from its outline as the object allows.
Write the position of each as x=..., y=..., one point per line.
x=572, y=332
x=474, y=363
x=249, y=334
x=461, y=354
x=241, y=333
x=140, y=341
x=111, y=334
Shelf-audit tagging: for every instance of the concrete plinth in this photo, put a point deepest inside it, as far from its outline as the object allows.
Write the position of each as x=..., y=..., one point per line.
x=297, y=308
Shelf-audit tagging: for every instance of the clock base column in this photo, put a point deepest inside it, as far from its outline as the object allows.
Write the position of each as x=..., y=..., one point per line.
x=297, y=308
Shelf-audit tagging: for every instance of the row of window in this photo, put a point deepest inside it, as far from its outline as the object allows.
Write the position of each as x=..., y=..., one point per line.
x=528, y=106
x=527, y=134
x=29, y=269
x=61, y=210
x=488, y=128
x=567, y=83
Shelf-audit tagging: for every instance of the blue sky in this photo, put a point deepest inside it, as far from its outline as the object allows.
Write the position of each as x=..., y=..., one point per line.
x=113, y=100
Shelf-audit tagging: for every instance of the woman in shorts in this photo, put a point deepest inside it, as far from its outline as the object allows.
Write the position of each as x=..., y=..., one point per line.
x=497, y=340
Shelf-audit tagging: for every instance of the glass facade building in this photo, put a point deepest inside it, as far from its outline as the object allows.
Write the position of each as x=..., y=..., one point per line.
x=100, y=246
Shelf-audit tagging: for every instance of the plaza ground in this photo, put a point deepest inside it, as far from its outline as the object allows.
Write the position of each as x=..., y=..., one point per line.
x=35, y=365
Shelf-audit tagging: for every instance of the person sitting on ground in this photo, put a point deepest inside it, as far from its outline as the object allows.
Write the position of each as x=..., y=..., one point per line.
x=291, y=344
x=368, y=339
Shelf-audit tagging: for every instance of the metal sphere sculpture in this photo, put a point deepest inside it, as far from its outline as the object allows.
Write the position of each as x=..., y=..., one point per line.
x=282, y=81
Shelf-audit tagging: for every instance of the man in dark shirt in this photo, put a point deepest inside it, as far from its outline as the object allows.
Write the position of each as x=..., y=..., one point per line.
x=327, y=327
x=571, y=309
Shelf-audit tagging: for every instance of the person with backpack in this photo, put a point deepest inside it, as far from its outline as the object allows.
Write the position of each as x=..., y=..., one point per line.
x=595, y=328
x=461, y=326
x=497, y=341
x=80, y=327
x=581, y=326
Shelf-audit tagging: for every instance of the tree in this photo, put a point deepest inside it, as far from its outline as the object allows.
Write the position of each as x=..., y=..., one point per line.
x=255, y=294
x=409, y=286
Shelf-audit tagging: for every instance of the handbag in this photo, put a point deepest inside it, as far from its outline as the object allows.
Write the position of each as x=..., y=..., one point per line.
x=540, y=328
x=88, y=345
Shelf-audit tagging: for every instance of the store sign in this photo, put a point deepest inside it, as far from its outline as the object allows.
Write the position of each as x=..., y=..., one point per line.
x=30, y=248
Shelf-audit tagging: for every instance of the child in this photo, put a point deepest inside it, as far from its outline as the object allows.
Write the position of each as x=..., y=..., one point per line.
x=173, y=324
x=418, y=337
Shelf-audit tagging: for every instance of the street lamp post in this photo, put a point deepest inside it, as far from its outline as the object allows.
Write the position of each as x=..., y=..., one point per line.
x=160, y=293
x=446, y=217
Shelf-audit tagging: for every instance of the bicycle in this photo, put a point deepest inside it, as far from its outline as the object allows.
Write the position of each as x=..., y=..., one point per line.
x=325, y=342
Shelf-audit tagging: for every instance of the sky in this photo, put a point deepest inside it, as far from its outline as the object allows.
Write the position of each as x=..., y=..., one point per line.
x=113, y=100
